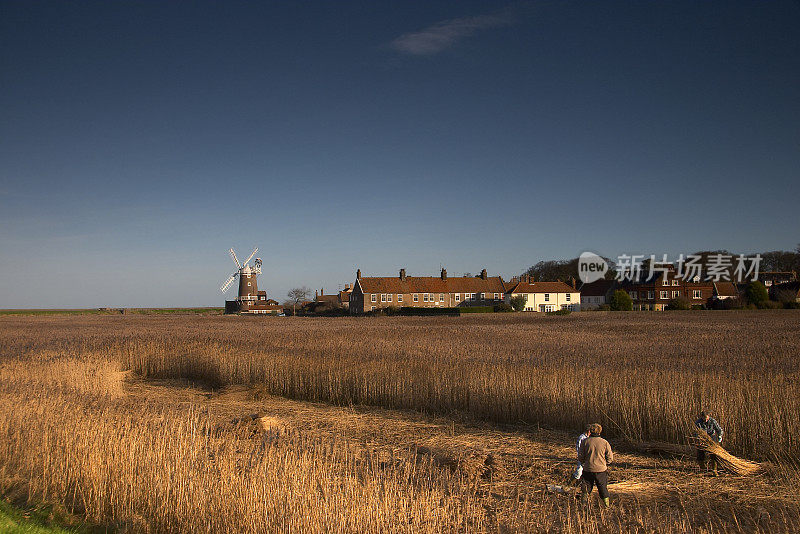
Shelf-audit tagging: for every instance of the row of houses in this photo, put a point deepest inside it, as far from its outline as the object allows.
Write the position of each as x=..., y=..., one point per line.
x=648, y=291
x=370, y=293
x=654, y=291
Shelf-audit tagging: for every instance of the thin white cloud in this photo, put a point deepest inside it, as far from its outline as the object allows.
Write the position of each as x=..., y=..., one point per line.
x=445, y=34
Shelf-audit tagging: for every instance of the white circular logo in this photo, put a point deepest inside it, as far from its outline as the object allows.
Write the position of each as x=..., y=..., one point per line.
x=591, y=267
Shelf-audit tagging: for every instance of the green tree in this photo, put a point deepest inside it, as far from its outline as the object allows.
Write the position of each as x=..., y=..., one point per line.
x=621, y=301
x=756, y=294
x=518, y=303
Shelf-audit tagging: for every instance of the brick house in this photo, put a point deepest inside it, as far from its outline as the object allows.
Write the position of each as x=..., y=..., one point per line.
x=774, y=278
x=725, y=290
x=374, y=292
x=545, y=296
x=340, y=299
x=654, y=292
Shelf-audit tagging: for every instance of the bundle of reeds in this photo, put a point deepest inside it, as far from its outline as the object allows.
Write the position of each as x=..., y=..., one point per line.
x=726, y=460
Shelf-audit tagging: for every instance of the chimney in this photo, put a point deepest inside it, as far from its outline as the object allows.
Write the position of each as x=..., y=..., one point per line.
x=321, y=292
x=347, y=287
x=358, y=274
x=572, y=282
x=402, y=274
x=316, y=294
x=483, y=274
x=444, y=274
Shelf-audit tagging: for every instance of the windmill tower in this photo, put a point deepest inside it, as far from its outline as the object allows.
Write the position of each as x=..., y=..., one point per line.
x=248, y=286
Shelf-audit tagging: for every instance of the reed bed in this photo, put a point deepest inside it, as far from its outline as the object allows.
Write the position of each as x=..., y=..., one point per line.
x=642, y=375
x=149, y=468
x=69, y=433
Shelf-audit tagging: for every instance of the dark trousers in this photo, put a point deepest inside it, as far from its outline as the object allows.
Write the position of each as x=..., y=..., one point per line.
x=589, y=479
x=706, y=460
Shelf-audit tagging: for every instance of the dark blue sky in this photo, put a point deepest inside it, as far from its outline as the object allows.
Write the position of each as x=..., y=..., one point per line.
x=140, y=140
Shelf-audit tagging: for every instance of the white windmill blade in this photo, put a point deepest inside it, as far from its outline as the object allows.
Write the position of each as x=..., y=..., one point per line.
x=228, y=283
x=251, y=256
x=235, y=259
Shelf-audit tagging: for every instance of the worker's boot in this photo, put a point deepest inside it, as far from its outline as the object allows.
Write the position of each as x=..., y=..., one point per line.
x=606, y=502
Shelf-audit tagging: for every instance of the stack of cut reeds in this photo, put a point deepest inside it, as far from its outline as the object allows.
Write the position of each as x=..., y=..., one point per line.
x=726, y=460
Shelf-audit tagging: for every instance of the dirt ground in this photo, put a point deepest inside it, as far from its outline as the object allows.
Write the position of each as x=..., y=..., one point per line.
x=508, y=463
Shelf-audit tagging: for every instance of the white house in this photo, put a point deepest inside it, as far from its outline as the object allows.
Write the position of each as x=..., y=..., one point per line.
x=546, y=296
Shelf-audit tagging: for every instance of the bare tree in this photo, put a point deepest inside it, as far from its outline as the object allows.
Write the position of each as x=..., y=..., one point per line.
x=297, y=295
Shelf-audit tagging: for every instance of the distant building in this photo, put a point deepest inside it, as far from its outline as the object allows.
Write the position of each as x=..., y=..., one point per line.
x=653, y=292
x=375, y=292
x=597, y=293
x=545, y=296
x=250, y=303
x=771, y=278
x=725, y=290
x=340, y=299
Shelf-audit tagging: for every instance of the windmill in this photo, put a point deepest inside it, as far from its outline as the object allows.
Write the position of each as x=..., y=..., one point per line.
x=248, y=287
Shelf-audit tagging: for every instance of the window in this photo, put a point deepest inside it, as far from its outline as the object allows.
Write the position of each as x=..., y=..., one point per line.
x=458, y=297
x=441, y=297
x=696, y=294
x=569, y=296
x=676, y=294
x=249, y=284
x=483, y=296
x=416, y=297
x=497, y=296
x=399, y=297
x=374, y=297
x=424, y=297
x=664, y=294
x=373, y=308
x=650, y=295
x=665, y=282
x=547, y=297
x=383, y=297
x=389, y=297
x=632, y=294
x=675, y=282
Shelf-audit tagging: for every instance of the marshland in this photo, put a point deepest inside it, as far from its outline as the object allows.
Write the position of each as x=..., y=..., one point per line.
x=396, y=424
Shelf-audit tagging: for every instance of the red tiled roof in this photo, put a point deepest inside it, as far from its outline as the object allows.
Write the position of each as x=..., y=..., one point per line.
x=327, y=298
x=542, y=287
x=431, y=284
x=725, y=289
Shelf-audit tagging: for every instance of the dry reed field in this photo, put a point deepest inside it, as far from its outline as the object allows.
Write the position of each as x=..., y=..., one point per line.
x=145, y=423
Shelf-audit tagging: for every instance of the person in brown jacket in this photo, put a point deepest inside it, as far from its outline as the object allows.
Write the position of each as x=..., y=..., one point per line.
x=595, y=455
